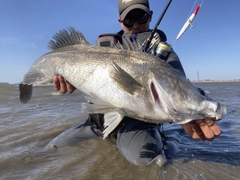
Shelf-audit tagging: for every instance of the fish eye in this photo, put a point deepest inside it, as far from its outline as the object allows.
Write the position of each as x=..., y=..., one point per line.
x=201, y=92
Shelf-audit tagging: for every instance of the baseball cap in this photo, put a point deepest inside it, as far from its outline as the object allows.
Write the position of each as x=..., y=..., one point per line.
x=125, y=6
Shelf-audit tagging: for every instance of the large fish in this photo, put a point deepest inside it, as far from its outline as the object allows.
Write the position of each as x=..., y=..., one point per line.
x=119, y=82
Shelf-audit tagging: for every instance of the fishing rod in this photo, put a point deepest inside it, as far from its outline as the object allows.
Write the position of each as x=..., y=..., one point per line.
x=149, y=39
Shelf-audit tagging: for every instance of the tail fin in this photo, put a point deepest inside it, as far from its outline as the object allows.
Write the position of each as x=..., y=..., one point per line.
x=25, y=92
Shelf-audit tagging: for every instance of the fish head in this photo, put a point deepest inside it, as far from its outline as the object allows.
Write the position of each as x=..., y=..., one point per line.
x=176, y=98
x=207, y=107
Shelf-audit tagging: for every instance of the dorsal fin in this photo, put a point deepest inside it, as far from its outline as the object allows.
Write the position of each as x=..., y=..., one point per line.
x=67, y=38
x=137, y=44
x=127, y=44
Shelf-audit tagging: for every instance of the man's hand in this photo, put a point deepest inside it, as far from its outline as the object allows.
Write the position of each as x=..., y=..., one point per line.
x=203, y=129
x=62, y=85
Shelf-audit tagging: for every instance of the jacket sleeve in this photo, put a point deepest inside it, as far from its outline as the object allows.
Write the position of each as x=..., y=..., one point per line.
x=175, y=62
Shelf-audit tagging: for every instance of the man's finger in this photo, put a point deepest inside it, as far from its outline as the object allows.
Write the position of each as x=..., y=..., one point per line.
x=63, y=88
x=206, y=130
x=215, y=128
x=56, y=84
x=193, y=130
x=197, y=132
x=70, y=87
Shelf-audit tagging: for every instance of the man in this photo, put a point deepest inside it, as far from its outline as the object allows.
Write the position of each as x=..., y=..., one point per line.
x=140, y=143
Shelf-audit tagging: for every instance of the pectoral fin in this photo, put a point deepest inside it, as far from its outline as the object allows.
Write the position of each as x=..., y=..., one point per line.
x=124, y=80
x=112, y=115
x=95, y=106
x=111, y=121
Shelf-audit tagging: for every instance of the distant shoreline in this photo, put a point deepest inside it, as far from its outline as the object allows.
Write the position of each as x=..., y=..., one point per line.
x=216, y=81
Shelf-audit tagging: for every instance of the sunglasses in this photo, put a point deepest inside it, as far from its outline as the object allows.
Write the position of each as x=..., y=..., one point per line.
x=141, y=19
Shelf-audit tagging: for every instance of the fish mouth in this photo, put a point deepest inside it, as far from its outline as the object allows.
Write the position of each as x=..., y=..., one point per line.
x=221, y=111
x=214, y=110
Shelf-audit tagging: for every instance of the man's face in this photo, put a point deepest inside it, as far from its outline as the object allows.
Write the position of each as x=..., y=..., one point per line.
x=136, y=21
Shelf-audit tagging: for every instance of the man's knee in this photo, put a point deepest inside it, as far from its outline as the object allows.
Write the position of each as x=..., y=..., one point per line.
x=141, y=143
